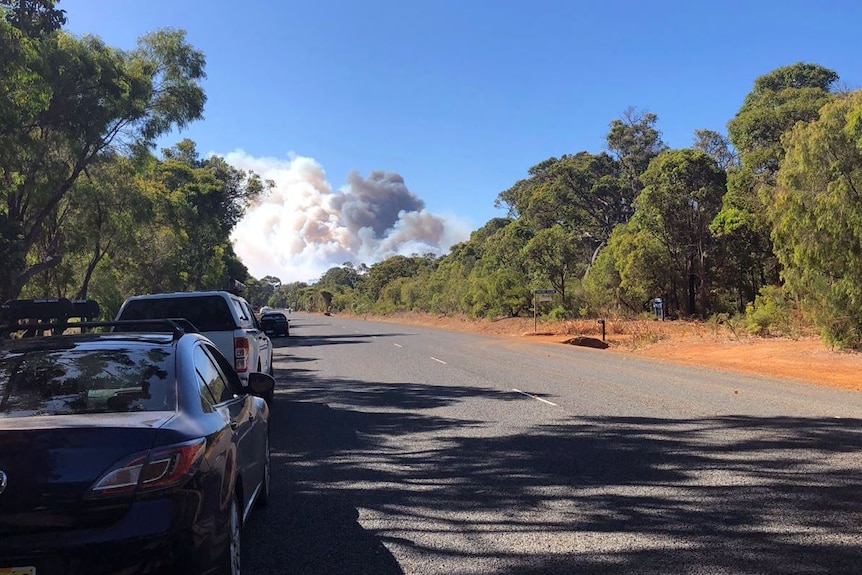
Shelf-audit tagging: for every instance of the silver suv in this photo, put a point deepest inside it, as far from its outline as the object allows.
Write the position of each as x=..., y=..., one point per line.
x=222, y=317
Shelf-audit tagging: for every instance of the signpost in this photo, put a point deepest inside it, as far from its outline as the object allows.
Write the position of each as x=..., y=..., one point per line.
x=544, y=295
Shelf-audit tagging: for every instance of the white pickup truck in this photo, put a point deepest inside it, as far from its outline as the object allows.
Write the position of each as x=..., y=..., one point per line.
x=224, y=318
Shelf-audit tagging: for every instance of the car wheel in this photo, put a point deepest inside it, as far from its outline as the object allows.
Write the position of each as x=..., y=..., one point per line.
x=263, y=498
x=232, y=559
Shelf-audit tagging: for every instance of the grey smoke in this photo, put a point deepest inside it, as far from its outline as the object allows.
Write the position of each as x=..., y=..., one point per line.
x=303, y=227
x=375, y=203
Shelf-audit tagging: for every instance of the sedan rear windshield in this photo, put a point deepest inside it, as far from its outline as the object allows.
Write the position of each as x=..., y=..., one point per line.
x=79, y=381
x=273, y=317
x=207, y=313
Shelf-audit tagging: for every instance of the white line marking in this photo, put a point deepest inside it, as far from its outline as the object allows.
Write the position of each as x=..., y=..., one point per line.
x=439, y=360
x=536, y=397
x=397, y=345
x=545, y=401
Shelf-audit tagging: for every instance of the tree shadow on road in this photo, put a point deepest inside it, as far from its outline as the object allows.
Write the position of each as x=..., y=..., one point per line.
x=304, y=534
x=296, y=340
x=726, y=494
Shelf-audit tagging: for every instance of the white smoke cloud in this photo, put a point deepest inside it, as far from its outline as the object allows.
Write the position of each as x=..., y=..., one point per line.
x=303, y=228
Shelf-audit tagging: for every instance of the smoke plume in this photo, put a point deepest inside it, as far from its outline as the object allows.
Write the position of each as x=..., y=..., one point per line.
x=303, y=228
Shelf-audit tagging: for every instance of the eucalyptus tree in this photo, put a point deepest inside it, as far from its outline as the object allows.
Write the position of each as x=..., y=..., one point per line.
x=778, y=101
x=203, y=199
x=681, y=196
x=65, y=100
x=717, y=146
x=555, y=256
x=105, y=208
x=633, y=140
x=634, y=268
x=291, y=295
x=386, y=271
x=584, y=194
x=818, y=218
x=502, y=277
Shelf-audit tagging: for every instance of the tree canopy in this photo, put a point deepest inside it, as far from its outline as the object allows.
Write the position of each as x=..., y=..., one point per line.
x=67, y=101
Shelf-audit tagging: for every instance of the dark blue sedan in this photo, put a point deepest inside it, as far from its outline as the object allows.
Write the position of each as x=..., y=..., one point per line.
x=127, y=452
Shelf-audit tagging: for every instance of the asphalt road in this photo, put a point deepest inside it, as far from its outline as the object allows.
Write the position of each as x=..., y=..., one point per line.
x=399, y=449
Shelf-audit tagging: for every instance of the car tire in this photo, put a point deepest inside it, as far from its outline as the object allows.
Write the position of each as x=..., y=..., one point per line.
x=263, y=497
x=270, y=397
x=233, y=555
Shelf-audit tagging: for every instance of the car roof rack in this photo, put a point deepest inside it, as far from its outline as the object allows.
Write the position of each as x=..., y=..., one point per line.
x=177, y=328
x=34, y=317
x=24, y=316
x=49, y=309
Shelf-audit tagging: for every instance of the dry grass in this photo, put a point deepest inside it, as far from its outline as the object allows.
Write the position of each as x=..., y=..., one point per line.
x=640, y=333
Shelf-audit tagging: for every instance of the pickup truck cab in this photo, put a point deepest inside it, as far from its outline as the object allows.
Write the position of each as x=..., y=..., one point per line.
x=220, y=316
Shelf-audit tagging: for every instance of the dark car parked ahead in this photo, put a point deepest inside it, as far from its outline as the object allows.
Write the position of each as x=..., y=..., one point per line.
x=275, y=323
x=126, y=452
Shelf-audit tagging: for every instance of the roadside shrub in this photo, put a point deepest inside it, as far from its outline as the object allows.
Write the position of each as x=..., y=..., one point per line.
x=773, y=312
x=719, y=322
x=559, y=314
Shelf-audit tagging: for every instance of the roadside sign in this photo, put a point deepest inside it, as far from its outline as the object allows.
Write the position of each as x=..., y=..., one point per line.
x=544, y=296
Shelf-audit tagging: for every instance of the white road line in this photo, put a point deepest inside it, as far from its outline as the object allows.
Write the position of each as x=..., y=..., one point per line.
x=536, y=397
x=397, y=345
x=439, y=360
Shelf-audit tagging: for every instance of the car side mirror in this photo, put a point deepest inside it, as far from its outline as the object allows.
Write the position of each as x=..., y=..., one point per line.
x=260, y=384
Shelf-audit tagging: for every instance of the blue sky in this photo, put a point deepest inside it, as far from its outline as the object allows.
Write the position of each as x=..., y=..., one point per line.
x=459, y=97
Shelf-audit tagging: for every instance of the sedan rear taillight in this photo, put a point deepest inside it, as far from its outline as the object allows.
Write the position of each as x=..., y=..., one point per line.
x=151, y=470
x=241, y=351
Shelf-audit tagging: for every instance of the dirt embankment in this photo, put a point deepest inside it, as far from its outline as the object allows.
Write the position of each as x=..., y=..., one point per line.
x=805, y=360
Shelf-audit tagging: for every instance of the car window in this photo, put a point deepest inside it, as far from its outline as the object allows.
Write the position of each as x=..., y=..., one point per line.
x=251, y=316
x=212, y=376
x=207, y=400
x=206, y=312
x=244, y=316
x=76, y=380
x=204, y=371
x=234, y=385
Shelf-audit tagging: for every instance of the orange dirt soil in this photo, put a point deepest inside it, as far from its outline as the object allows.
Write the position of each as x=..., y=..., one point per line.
x=806, y=360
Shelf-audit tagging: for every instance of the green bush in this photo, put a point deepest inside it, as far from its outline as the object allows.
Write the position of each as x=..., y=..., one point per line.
x=773, y=312
x=559, y=314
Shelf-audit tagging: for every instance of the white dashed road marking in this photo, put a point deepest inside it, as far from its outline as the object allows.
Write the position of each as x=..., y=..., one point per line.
x=536, y=397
